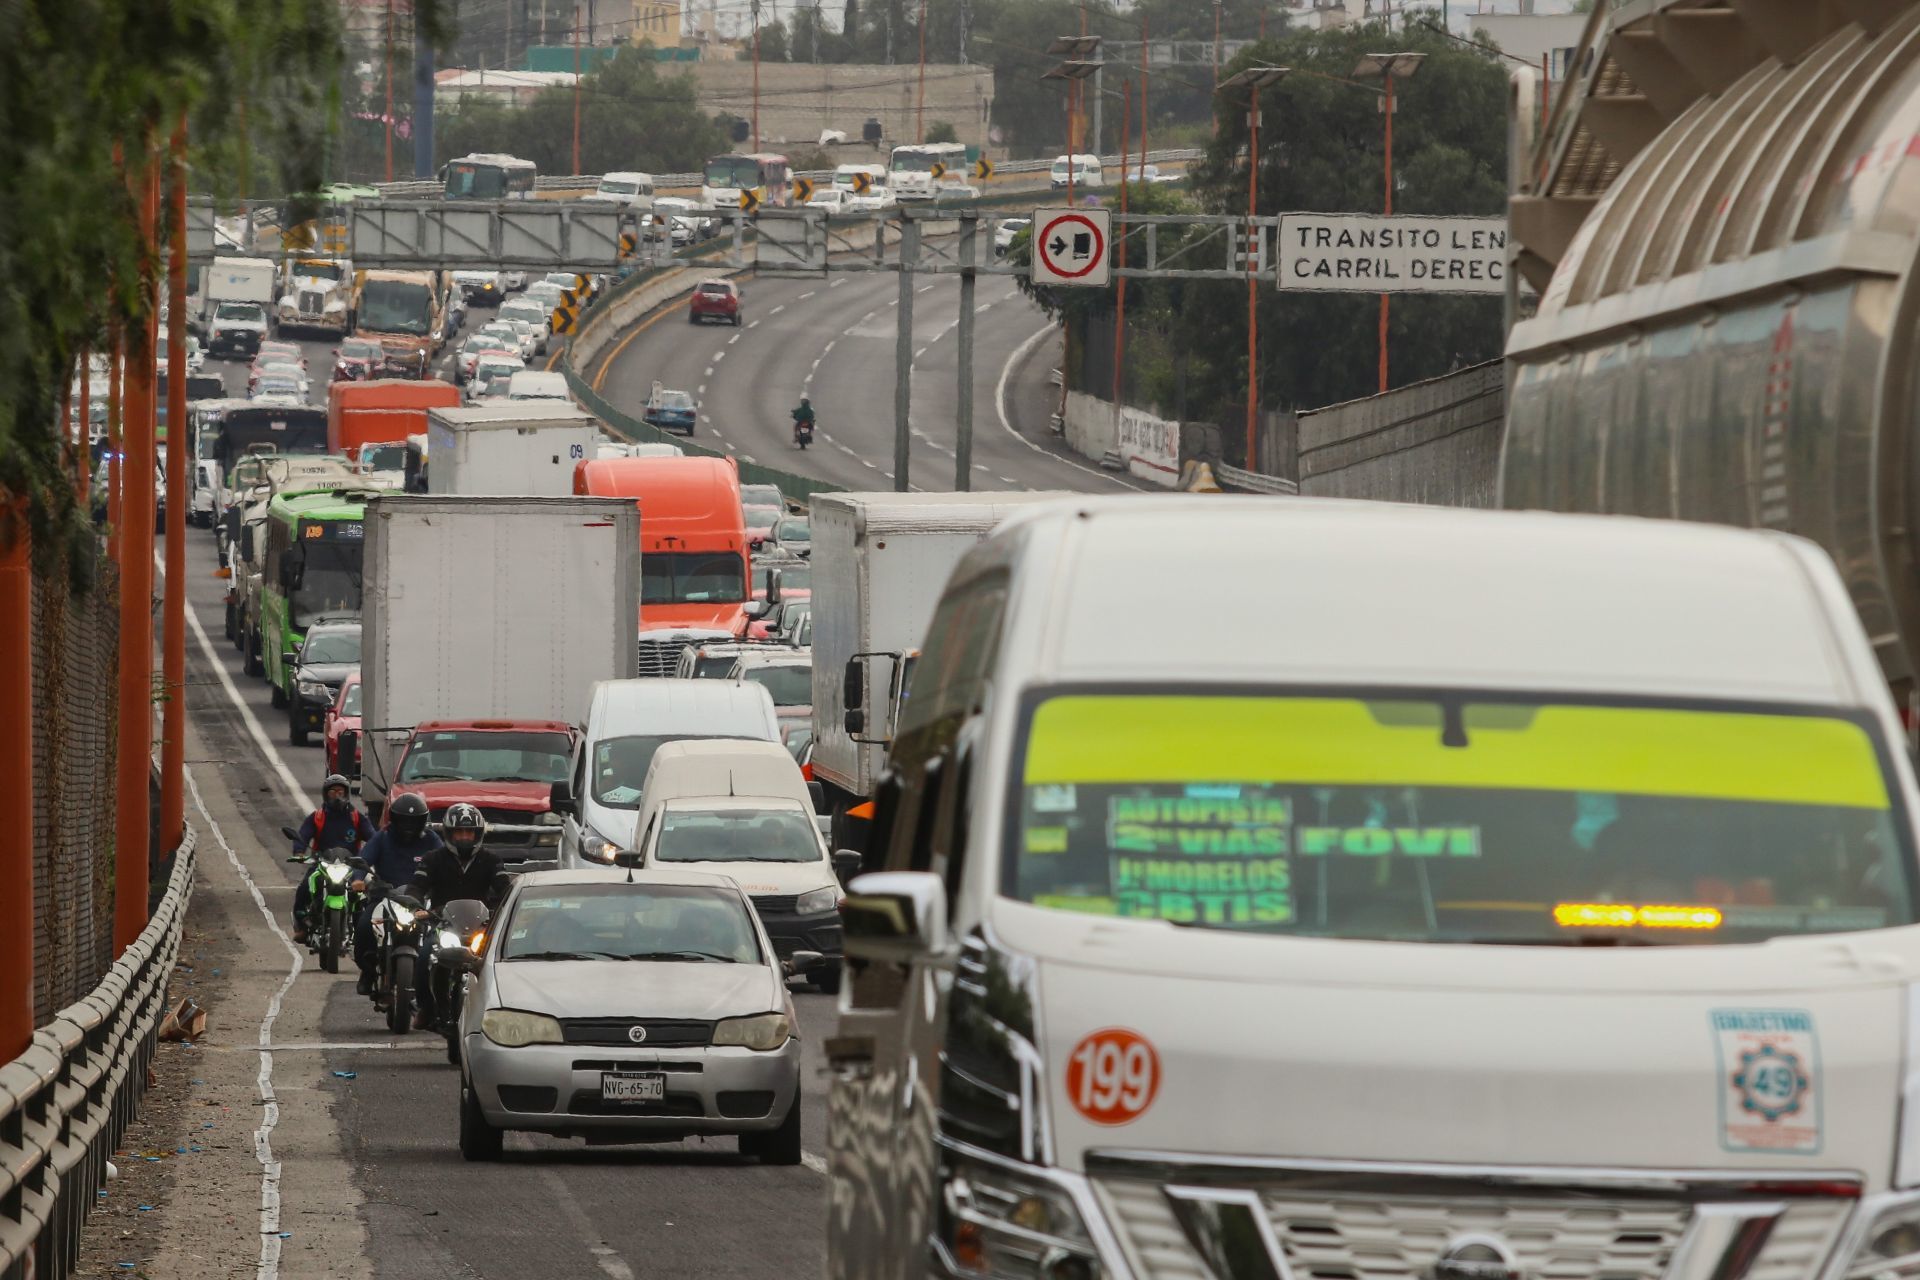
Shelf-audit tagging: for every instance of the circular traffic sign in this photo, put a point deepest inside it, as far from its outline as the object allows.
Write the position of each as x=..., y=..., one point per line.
x=1053, y=234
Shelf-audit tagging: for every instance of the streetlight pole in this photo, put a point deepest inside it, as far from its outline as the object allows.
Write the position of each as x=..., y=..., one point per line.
x=1253, y=80
x=576, y=87
x=1389, y=67
x=756, y=76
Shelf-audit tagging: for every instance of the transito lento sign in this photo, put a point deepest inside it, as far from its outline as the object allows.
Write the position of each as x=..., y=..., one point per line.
x=1373, y=253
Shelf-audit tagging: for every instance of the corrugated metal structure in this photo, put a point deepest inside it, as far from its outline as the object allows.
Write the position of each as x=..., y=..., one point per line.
x=1729, y=207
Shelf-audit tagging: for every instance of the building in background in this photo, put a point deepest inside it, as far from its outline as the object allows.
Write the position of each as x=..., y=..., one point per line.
x=658, y=21
x=514, y=88
x=1540, y=39
x=801, y=101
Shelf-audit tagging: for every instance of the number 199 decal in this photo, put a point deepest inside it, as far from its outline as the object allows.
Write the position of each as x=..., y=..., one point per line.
x=1113, y=1075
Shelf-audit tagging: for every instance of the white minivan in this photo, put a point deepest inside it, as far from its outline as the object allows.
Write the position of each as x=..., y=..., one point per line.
x=627, y=721
x=631, y=190
x=1518, y=895
x=1081, y=170
x=743, y=809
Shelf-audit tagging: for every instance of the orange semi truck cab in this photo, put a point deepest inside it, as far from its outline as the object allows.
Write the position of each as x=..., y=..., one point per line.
x=693, y=549
x=383, y=411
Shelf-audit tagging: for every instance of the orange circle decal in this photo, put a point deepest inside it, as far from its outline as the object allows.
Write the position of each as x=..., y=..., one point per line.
x=1113, y=1076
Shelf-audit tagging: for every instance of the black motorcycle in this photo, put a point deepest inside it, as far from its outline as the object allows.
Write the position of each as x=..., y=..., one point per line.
x=803, y=434
x=457, y=936
x=399, y=935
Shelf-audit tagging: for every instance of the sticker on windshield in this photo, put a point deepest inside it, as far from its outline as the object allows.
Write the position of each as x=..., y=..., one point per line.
x=1113, y=1075
x=1769, y=1064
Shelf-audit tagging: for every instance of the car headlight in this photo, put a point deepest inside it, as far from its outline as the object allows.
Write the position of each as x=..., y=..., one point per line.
x=314, y=689
x=548, y=819
x=823, y=899
x=337, y=872
x=1888, y=1247
x=515, y=1028
x=597, y=848
x=449, y=940
x=762, y=1031
x=994, y=1221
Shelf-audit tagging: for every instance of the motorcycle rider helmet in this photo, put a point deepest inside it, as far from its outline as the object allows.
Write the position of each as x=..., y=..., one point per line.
x=335, y=790
x=464, y=830
x=407, y=815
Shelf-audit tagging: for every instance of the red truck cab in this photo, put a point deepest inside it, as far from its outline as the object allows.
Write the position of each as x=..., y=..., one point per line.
x=693, y=549
x=382, y=411
x=505, y=767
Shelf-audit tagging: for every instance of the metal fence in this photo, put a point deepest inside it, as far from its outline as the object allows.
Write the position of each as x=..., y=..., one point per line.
x=1434, y=442
x=66, y=1101
x=75, y=638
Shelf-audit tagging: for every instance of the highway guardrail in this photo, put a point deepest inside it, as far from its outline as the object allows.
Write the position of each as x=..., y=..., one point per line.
x=67, y=1100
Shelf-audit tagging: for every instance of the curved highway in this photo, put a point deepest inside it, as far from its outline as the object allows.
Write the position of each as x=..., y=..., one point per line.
x=833, y=339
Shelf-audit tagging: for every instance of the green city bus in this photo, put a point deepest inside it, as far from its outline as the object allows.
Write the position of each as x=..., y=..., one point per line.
x=311, y=569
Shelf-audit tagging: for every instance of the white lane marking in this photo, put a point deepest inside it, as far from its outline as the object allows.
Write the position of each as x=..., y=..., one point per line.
x=868, y=465
x=735, y=338
x=1000, y=407
x=355, y=1046
x=777, y=310
x=1009, y=480
x=922, y=351
x=753, y=324
x=983, y=307
x=837, y=283
x=829, y=347
x=851, y=454
x=871, y=314
x=925, y=288
x=610, y=1263
x=269, y=1266
x=707, y=372
x=750, y=458
x=808, y=294
x=814, y=1163
x=894, y=303
x=718, y=356
x=978, y=467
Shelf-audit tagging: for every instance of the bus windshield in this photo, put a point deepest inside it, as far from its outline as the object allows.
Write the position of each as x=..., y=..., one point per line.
x=283, y=429
x=1466, y=818
x=733, y=171
x=478, y=180
x=329, y=577
x=396, y=306
x=913, y=162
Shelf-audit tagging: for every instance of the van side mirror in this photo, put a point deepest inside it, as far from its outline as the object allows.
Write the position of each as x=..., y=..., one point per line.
x=895, y=916
x=847, y=863
x=560, y=797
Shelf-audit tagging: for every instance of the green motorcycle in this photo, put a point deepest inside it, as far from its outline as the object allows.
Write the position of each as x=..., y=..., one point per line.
x=336, y=888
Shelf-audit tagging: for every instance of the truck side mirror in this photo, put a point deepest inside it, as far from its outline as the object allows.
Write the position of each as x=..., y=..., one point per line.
x=847, y=863
x=560, y=797
x=853, y=695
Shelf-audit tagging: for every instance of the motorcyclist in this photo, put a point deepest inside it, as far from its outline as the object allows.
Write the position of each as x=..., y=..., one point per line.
x=336, y=824
x=392, y=858
x=462, y=868
x=802, y=417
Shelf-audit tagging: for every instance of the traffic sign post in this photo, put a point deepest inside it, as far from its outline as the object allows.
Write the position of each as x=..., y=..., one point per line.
x=1070, y=247
x=862, y=183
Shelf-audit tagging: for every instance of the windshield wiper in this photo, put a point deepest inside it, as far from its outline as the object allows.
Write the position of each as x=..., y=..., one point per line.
x=682, y=955
x=570, y=955
x=1572, y=940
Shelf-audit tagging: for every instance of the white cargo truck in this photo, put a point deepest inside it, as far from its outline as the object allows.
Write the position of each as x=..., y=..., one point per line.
x=879, y=563
x=522, y=447
x=494, y=608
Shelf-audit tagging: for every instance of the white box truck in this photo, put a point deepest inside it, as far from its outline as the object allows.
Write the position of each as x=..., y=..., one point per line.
x=879, y=563
x=521, y=447
x=490, y=608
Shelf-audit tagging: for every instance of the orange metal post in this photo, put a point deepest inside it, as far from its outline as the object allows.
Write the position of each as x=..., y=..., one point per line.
x=16, y=781
x=173, y=631
x=389, y=116
x=135, y=686
x=116, y=378
x=576, y=88
x=1387, y=106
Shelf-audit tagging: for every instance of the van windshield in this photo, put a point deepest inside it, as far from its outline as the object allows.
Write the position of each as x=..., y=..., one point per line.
x=737, y=835
x=1473, y=819
x=620, y=765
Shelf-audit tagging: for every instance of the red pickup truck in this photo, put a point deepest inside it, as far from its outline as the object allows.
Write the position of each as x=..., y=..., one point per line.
x=505, y=767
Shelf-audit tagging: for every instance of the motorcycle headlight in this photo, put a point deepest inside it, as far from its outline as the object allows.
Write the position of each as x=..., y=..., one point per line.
x=1888, y=1246
x=515, y=1028
x=994, y=1221
x=822, y=899
x=449, y=940
x=762, y=1031
x=597, y=848
x=337, y=872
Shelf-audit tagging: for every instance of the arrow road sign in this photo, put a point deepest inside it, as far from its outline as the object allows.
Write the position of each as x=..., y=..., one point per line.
x=862, y=183
x=749, y=199
x=802, y=190
x=983, y=169
x=1070, y=247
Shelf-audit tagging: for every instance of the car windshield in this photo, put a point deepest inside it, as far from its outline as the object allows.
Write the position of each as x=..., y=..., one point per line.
x=712, y=668
x=238, y=311
x=486, y=755
x=615, y=920
x=737, y=835
x=620, y=765
x=276, y=385
x=793, y=531
x=691, y=577
x=332, y=646
x=761, y=495
x=613, y=187
x=761, y=517
x=789, y=686
x=676, y=400
x=384, y=457
x=350, y=699
x=1468, y=819
x=530, y=314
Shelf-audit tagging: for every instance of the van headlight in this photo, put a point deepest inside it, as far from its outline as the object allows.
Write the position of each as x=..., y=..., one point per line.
x=1888, y=1246
x=822, y=899
x=515, y=1028
x=314, y=689
x=597, y=848
x=994, y=1221
x=763, y=1031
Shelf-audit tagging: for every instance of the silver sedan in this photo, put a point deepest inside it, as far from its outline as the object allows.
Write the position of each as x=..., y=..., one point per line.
x=639, y=1010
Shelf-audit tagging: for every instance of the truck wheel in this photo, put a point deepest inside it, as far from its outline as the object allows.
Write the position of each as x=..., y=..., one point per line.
x=480, y=1142
x=826, y=979
x=229, y=622
x=252, y=665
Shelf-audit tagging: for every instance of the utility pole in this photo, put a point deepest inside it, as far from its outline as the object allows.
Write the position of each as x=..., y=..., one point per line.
x=387, y=120
x=1120, y=245
x=756, y=75
x=173, y=618
x=903, y=352
x=920, y=108
x=1390, y=67
x=576, y=86
x=1253, y=80
x=963, y=394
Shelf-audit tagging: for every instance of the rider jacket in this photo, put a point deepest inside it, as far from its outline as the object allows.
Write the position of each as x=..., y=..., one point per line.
x=442, y=879
x=394, y=860
x=327, y=828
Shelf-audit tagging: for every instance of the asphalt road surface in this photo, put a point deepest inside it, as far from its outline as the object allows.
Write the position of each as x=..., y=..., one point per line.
x=833, y=339
x=552, y=1208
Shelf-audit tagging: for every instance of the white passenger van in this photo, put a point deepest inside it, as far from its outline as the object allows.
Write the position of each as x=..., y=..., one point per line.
x=631, y=190
x=1082, y=170
x=743, y=809
x=627, y=721
x=1519, y=895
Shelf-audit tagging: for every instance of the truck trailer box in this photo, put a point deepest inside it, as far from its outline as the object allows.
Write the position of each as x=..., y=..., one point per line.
x=880, y=561
x=524, y=447
x=382, y=411
x=491, y=607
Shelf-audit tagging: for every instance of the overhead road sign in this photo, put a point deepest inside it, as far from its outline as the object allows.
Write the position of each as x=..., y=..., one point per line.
x=1376, y=253
x=1070, y=247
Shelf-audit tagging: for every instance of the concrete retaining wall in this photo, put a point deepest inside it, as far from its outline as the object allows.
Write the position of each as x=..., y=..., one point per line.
x=1434, y=442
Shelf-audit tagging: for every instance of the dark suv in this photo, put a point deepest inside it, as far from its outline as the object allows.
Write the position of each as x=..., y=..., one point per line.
x=329, y=654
